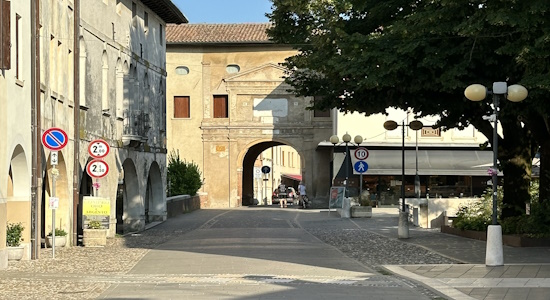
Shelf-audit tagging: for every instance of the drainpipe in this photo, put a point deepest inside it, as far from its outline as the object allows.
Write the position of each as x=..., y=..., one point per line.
x=76, y=117
x=36, y=164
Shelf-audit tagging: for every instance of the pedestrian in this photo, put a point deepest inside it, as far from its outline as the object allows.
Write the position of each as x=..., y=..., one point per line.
x=302, y=193
x=282, y=194
x=302, y=189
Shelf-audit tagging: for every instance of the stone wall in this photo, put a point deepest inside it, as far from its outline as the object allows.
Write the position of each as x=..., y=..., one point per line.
x=180, y=204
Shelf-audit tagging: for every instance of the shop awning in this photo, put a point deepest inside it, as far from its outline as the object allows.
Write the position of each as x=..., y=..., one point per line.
x=430, y=162
x=296, y=177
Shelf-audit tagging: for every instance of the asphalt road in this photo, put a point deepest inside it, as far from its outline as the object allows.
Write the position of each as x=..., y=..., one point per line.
x=256, y=253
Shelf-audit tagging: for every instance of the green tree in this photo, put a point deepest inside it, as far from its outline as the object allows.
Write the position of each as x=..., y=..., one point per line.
x=366, y=56
x=184, y=178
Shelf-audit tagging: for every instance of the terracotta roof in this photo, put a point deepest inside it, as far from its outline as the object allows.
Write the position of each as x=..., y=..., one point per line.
x=217, y=33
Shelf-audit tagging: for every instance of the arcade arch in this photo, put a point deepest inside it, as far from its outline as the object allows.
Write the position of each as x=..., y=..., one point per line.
x=257, y=188
x=18, y=192
x=129, y=203
x=154, y=199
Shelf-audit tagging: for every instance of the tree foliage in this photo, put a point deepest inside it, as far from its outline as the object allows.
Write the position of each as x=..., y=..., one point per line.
x=368, y=55
x=184, y=178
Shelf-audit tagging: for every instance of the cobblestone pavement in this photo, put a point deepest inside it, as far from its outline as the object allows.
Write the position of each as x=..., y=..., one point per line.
x=84, y=273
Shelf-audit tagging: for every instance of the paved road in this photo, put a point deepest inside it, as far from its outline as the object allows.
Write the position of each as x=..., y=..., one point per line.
x=275, y=253
x=257, y=253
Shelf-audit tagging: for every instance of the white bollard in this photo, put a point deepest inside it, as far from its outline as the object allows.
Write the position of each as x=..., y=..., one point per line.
x=493, y=255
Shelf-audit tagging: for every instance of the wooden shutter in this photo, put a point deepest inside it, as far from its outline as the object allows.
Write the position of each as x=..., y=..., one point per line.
x=181, y=107
x=220, y=106
x=5, y=39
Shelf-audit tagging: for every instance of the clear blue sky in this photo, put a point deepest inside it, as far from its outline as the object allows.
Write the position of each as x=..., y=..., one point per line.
x=224, y=11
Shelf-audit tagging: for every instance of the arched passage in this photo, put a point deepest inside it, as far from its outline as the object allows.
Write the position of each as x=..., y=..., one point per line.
x=247, y=179
x=154, y=196
x=18, y=194
x=132, y=205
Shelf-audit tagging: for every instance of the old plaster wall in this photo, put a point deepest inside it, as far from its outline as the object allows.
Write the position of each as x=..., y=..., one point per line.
x=261, y=109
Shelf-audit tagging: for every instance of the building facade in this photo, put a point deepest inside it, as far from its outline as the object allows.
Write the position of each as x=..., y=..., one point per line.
x=227, y=103
x=101, y=74
x=449, y=164
x=16, y=148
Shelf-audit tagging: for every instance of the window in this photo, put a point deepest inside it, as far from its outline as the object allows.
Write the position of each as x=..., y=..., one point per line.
x=220, y=106
x=5, y=38
x=320, y=113
x=134, y=14
x=181, y=70
x=232, y=69
x=146, y=21
x=181, y=107
x=160, y=34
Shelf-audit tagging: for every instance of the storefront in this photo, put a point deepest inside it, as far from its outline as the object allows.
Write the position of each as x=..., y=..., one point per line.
x=443, y=173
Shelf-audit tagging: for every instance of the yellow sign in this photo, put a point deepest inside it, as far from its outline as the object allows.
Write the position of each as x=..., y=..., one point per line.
x=95, y=206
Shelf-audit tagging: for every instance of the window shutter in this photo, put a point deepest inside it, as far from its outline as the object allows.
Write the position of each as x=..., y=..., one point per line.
x=181, y=107
x=220, y=106
x=5, y=38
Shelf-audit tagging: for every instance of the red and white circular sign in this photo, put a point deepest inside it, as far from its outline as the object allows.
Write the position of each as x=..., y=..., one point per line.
x=98, y=148
x=97, y=168
x=361, y=153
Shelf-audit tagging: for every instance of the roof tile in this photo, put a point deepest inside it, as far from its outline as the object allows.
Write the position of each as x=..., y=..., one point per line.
x=217, y=33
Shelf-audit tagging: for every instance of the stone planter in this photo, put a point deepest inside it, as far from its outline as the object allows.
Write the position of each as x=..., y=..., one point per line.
x=60, y=241
x=16, y=253
x=361, y=211
x=94, y=237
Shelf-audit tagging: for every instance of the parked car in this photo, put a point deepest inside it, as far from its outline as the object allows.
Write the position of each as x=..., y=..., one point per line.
x=291, y=196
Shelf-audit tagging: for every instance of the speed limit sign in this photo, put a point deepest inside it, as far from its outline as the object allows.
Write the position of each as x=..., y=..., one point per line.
x=97, y=168
x=361, y=153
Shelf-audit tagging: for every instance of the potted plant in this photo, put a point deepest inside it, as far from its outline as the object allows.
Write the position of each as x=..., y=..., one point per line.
x=14, y=236
x=60, y=238
x=94, y=235
x=364, y=210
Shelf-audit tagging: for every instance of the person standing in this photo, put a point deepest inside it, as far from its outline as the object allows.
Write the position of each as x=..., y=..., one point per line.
x=282, y=194
x=302, y=192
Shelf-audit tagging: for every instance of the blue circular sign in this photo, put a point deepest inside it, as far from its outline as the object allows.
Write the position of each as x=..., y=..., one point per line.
x=266, y=169
x=361, y=167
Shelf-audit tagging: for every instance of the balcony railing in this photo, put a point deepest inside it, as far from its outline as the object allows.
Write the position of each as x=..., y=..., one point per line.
x=136, y=126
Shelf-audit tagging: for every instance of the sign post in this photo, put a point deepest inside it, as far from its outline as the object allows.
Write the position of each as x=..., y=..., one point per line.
x=361, y=166
x=98, y=149
x=54, y=139
x=265, y=170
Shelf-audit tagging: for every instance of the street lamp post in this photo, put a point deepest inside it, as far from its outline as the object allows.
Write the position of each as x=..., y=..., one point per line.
x=346, y=138
x=403, y=228
x=514, y=93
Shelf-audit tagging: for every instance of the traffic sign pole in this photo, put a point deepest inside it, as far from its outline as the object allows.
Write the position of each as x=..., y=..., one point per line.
x=54, y=177
x=54, y=139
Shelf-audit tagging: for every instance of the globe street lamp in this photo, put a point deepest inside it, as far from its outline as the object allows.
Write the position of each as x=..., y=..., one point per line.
x=403, y=228
x=514, y=93
x=346, y=138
